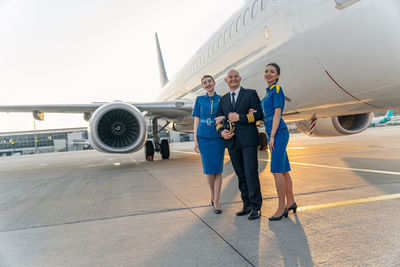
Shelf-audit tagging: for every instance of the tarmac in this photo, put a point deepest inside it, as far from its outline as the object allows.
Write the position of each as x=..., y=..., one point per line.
x=92, y=209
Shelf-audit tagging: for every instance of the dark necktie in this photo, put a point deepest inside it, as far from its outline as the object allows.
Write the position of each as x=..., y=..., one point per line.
x=233, y=100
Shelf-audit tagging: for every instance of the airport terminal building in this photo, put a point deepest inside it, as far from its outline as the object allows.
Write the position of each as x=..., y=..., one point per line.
x=43, y=141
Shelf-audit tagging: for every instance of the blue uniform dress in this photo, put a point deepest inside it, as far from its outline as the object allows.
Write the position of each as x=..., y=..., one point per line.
x=274, y=98
x=211, y=144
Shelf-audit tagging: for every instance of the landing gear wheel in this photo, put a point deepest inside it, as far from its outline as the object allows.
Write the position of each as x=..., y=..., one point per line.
x=263, y=141
x=149, y=151
x=164, y=149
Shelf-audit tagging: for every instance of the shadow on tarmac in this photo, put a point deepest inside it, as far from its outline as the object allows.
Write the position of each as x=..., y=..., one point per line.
x=292, y=242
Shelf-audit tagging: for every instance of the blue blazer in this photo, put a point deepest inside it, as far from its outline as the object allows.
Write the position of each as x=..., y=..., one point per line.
x=245, y=129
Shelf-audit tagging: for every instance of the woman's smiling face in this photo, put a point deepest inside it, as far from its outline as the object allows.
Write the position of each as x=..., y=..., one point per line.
x=270, y=74
x=208, y=84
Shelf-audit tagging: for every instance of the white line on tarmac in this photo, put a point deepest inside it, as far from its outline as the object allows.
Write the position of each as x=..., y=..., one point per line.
x=317, y=165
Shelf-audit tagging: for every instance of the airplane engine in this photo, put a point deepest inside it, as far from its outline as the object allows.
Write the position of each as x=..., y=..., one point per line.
x=335, y=126
x=117, y=128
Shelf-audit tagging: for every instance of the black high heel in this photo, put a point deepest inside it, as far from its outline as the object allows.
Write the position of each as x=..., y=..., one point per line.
x=293, y=207
x=285, y=213
x=212, y=203
x=217, y=211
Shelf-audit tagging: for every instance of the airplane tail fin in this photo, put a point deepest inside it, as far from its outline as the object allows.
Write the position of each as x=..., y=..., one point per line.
x=161, y=67
x=389, y=113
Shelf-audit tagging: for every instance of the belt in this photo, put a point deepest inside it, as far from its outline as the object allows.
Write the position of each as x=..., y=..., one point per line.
x=209, y=121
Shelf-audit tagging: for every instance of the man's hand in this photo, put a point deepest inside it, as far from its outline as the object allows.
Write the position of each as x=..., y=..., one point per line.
x=226, y=134
x=233, y=117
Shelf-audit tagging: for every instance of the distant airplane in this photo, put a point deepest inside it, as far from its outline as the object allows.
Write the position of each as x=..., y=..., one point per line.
x=382, y=120
x=394, y=120
x=339, y=62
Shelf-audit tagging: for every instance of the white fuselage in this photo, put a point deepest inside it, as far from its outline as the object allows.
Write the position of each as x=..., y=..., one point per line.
x=333, y=62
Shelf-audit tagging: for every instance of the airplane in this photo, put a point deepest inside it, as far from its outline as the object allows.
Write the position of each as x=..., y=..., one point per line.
x=338, y=60
x=381, y=120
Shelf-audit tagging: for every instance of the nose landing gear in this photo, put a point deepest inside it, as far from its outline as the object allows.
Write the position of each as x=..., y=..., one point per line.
x=162, y=147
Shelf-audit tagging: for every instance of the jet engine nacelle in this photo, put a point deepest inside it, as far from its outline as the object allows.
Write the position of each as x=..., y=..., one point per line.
x=336, y=126
x=117, y=128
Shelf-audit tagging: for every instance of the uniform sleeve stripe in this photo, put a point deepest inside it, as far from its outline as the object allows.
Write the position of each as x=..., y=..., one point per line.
x=250, y=118
x=219, y=126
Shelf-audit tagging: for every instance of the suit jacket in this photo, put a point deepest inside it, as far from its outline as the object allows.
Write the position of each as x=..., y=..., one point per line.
x=245, y=129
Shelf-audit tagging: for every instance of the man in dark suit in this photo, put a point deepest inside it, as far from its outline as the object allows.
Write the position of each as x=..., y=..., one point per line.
x=242, y=143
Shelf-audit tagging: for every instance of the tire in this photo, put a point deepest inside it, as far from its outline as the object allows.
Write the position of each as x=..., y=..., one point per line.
x=149, y=150
x=164, y=149
x=263, y=141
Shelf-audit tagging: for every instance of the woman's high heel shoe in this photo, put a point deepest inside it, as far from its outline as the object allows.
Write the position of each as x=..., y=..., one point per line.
x=217, y=211
x=212, y=203
x=293, y=207
x=285, y=213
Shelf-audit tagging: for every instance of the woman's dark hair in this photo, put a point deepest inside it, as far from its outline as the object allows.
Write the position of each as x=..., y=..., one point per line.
x=278, y=69
x=207, y=76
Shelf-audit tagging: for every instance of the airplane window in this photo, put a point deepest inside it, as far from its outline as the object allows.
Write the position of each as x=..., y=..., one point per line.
x=238, y=23
x=263, y=4
x=255, y=9
x=226, y=35
x=221, y=40
x=232, y=29
x=266, y=32
x=246, y=16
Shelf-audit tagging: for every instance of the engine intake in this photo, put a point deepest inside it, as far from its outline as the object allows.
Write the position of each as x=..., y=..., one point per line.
x=117, y=128
x=336, y=126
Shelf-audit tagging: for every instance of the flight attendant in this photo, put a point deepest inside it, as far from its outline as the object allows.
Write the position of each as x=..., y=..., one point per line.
x=272, y=106
x=207, y=141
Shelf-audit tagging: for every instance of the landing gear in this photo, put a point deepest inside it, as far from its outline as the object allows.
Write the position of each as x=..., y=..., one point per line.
x=263, y=141
x=162, y=147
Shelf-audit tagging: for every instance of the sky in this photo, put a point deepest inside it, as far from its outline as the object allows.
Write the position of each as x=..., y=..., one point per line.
x=74, y=51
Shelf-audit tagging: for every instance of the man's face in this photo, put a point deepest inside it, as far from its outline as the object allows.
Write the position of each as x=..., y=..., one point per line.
x=233, y=79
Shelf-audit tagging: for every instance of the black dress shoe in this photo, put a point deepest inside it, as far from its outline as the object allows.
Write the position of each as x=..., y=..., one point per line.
x=285, y=213
x=255, y=214
x=293, y=207
x=244, y=211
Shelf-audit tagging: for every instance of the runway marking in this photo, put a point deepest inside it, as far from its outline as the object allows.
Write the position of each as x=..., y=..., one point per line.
x=117, y=164
x=349, y=202
x=339, y=168
x=185, y=152
x=316, y=165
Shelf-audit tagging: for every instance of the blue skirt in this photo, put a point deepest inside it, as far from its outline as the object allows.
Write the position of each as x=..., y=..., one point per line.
x=279, y=157
x=212, y=152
